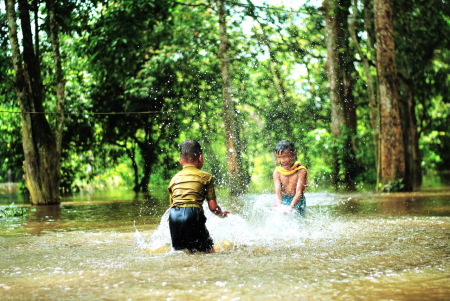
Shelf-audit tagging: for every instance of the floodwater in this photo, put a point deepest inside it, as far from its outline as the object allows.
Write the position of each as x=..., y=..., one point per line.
x=116, y=246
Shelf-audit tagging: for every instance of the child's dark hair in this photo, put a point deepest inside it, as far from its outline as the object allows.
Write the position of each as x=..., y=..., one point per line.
x=285, y=145
x=190, y=150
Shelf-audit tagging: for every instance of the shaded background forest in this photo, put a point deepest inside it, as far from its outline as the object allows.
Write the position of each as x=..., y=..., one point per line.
x=122, y=83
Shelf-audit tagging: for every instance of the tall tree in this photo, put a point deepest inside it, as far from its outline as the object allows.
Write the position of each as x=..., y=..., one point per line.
x=265, y=39
x=391, y=133
x=366, y=57
x=420, y=29
x=236, y=177
x=343, y=109
x=41, y=143
x=132, y=78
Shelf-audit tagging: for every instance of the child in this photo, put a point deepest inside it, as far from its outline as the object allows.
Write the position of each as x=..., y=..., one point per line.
x=290, y=179
x=188, y=189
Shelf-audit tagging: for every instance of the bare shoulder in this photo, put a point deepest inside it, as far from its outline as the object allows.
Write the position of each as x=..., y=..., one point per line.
x=276, y=174
x=303, y=171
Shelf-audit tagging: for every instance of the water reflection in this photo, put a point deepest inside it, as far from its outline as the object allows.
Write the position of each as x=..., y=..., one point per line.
x=43, y=219
x=397, y=204
x=364, y=247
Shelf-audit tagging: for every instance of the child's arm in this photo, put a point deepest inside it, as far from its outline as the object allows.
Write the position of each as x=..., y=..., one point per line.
x=215, y=208
x=277, y=184
x=299, y=188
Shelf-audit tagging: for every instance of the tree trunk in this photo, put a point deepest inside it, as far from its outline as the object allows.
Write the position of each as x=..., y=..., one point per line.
x=235, y=181
x=343, y=109
x=42, y=159
x=148, y=155
x=374, y=105
x=370, y=82
x=413, y=170
x=59, y=76
x=131, y=152
x=280, y=88
x=145, y=181
x=391, y=134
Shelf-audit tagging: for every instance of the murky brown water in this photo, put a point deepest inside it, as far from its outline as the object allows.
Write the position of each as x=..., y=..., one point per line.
x=350, y=247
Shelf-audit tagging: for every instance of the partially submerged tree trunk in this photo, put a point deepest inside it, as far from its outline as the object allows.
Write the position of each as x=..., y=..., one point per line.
x=343, y=110
x=236, y=179
x=41, y=145
x=391, y=133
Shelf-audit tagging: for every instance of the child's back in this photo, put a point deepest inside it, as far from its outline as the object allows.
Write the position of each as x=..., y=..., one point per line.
x=188, y=189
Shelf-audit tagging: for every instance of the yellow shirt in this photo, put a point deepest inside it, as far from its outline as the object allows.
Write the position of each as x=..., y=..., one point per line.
x=190, y=187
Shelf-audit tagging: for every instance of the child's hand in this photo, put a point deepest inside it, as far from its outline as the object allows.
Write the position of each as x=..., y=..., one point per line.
x=277, y=205
x=282, y=208
x=220, y=213
x=279, y=208
x=287, y=209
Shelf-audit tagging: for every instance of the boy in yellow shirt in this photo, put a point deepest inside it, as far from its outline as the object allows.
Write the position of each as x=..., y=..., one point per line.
x=188, y=189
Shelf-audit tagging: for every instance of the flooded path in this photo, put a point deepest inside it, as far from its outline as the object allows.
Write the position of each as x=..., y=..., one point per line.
x=350, y=247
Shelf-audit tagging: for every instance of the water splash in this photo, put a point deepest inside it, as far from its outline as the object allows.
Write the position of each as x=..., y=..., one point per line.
x=255, y=224
x=139, y=239
x=161, y=236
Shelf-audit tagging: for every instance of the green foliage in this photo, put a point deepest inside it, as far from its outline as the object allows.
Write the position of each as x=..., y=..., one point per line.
x=160, y=58
x=13, y=211
x=10, y=146
x=394, y=186
x=11, y=153
x=318, y=158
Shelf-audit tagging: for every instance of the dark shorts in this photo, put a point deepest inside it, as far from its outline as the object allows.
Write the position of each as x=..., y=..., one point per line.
x=188, y=230
x=300, y=206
